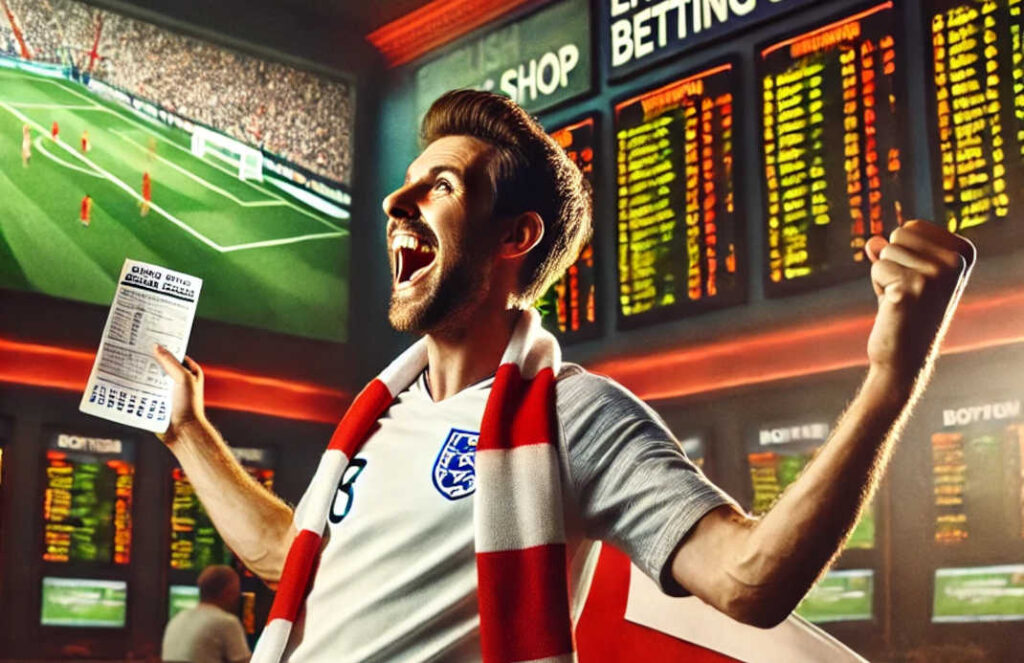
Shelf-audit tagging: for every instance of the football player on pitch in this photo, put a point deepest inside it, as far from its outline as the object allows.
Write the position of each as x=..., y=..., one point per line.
x=26, y=145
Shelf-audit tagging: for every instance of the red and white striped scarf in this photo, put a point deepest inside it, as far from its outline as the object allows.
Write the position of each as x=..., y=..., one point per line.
x=518, y=520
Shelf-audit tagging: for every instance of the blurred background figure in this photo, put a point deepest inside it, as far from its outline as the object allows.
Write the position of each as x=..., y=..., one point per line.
x=210, y=632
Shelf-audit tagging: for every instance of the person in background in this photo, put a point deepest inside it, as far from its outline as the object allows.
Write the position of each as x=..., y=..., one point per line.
x=210, y=632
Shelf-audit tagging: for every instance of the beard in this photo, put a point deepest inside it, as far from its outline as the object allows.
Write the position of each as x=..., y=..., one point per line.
x=448, y=297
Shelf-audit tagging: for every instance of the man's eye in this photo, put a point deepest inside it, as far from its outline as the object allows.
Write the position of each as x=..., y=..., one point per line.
x=443, y=186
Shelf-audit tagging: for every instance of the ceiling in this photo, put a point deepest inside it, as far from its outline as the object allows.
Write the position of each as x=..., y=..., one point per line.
x=399, y=30
x=361, y=16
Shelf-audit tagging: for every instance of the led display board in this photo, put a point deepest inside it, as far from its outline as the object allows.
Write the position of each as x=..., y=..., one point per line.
x=833, y=148
x=978, y=472
x=194, y=542
x=570, y=305
x=977, y=88
x=677, y=218
x=87, y=499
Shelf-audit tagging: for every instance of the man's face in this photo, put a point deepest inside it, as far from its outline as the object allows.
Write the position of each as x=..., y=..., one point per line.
x=440, y=236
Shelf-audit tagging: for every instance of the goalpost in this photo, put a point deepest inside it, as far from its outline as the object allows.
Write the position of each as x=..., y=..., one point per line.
x=248, y=160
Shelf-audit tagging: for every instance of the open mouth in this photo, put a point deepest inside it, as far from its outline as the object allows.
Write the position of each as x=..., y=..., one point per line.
x=413, y=257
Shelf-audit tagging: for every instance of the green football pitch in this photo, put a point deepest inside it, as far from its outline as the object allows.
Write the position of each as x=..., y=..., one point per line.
x=266, y=259
x=95, y=605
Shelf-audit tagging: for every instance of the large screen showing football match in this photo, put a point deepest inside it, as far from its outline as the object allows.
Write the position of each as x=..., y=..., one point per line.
x=121, y=139
x=677, y=220
x=978, y=92
x=778, y=457
x=569, y=307
x=194, y=541
x=833, y=148
x=978, y=473
x=87, y=500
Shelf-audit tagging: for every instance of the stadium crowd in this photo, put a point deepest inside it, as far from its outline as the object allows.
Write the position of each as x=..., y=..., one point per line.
x=299, y=116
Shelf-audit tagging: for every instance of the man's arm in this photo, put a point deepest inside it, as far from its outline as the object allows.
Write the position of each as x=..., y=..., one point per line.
x=255, y=523
x=757, y=571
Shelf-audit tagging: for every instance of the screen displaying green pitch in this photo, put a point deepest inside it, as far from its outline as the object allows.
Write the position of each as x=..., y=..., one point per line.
x=979, y=594
x=181, y=597
x=84, y=602
x=841, y=596
x=175, y=152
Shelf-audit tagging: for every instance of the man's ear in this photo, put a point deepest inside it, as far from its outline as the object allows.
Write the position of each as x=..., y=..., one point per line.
x=522, y=234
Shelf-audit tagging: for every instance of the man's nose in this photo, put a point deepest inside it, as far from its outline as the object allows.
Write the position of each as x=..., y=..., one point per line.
x=401, y=204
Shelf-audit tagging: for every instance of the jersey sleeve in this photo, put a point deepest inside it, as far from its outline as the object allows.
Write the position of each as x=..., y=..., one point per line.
x=631, y=482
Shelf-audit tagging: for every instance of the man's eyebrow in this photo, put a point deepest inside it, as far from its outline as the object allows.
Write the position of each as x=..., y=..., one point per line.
x=437, y=170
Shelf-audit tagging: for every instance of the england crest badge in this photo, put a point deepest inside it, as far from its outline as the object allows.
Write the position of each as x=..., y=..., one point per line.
x=455, y=468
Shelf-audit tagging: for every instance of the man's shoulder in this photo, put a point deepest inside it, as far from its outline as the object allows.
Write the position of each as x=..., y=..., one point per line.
x=578, y=389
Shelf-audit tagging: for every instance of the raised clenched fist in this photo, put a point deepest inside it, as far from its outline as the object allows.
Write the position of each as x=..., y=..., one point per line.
x=918, y=276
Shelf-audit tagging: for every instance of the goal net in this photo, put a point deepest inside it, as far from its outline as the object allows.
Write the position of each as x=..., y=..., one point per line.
x=247, y=160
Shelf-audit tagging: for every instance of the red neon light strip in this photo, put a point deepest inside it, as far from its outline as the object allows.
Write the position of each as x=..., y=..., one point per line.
x=704, y=74
x=433, y=25
x=573, y=127
x=799, y=351
x=987, y=322
x=62, y=368
x=848, y=19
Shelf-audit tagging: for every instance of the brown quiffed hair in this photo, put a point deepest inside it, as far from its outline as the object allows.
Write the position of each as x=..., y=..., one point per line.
x=531, y=174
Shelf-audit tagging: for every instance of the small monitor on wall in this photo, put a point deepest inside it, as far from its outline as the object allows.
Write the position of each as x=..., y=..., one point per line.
x=841, y=596
x=84, y=602
x=979, y=594
x=181, y=597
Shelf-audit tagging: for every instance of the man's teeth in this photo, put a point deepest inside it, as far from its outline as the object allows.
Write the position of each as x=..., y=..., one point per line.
x=410, y=242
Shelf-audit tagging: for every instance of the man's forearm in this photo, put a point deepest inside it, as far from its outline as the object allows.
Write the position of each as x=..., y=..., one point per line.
x=807, y=527
x=256, y=524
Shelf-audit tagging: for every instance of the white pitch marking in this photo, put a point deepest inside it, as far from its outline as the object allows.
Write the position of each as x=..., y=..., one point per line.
x=181, y=224
x=200, y=180
x=55, y=106
x=38, y=142
x=234, y=174
x=286, y=240
x=340, y=232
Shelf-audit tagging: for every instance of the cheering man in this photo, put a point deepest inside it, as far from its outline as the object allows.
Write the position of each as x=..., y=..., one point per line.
x=476, y=469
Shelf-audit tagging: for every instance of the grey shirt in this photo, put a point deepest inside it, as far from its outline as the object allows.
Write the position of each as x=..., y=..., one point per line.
x=631, y=482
